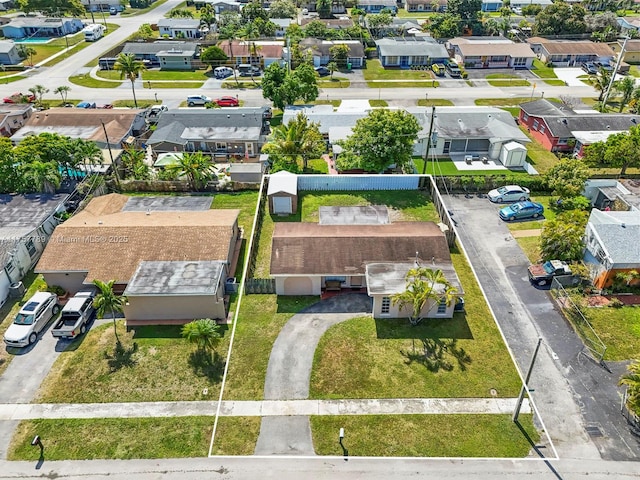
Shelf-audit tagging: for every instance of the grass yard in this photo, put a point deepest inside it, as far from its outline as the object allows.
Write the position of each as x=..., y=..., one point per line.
x=403, y=84
x=507, y=102
x=246, y=201
x=142, y=103
x=260, y=321
x=114, y=438
x=236, y=435
x=447, y=168
x=531, y=247
x=375, y=71
x=378, y=103
x=424, y=435
x=335, y=82
x=549, y=214
x=618, y=328
x=86, y=80
x=634, y=71
x=241, y=84
x=542, y=159
x=190, y=85
x=317, y=166
x=402, y=13
x=334, y=103
x=6, y=80
x=132, y=12
x=436, y=102
x=33, y=283
x=384, y=358
x=547, y=74
x=505, y=80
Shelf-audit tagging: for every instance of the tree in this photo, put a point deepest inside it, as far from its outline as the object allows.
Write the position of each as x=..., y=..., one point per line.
x=207, y=17
x=70, y=7
x=180, y=13
x=491, y=27
x=45, y=147
x=27, y=52
x=424, y=287
x=600, y=82
x=41, y=176
x=323, y=7
x=107, y=301
x=129, y=68
x=213, y=55
x=144, y=32
x=299, y=138
x=632, y=380
x=252, y=11
x=84, y=152
x=378, y=22
x=561, y=237
x=467, y=10
x=203, y=333
x=339, y=54
x=133, y=163
x=197, y=168
x=63, y=91
x=382, y=138
x=38, y=91
x=620, y=150
x=284, y=88
x=445, y=25
x=560, y=18
x=626, y=87
x=315, y=29
x=567, y=178
x=332, y=66
x=10, y=178
x=283, y=9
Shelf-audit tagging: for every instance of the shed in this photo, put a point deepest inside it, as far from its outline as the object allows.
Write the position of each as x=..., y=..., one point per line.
x=247, y=172
x=513, y=154
x=283, y=193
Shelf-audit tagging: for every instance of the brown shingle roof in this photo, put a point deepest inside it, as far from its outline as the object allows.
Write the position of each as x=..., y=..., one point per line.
x=244, y=49
x=110, y=244
x=568, y=47
x=312, y=249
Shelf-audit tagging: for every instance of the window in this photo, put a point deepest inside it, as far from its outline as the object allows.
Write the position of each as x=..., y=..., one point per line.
x=386, y=306
x=536, y=124
x=519, y=62
x=563, y=141
x=542, y=128
x=9, y=267
x=447, y=146
x=31, y=248
x=336, y=279
x=525, y=117
x=442, y=307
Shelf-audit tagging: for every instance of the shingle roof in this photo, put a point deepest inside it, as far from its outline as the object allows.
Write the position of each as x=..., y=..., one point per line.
x=619, y=233
x=390, y=278
x=323, y=47
x=571, y=47
x=244, y=49
x=313, y=249
x=479, y=47
x=175, y=278
x=411, y=46
x=140, y=48
x=179, y=22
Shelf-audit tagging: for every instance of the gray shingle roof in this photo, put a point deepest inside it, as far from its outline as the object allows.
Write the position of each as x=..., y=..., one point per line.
x=6, y=46
x=426, y=46
x=179, y=23
x=141, y=48
x=176, y=278
x=619, y=233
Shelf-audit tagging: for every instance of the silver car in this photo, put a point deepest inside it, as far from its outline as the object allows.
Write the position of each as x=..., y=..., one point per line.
x=509, y=193
x=32, y=318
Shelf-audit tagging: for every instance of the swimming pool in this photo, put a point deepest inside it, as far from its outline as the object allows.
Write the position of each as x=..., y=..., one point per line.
x=34, y=40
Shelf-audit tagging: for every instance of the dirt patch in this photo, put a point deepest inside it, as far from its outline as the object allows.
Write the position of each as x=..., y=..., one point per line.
x=597, y=301
x=627, y=299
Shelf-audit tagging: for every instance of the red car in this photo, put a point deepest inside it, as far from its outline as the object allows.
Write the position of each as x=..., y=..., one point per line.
x=19, y=98
x=227, y=102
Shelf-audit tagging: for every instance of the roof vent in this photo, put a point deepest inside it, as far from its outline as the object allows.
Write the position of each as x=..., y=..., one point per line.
x=228, y=116
x=564, y=120
x=623, y=225
x=633, y=120
x=608, y=127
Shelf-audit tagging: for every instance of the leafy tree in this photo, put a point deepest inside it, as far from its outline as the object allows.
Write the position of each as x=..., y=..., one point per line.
x=567, y=177
x=129, y=68
x=41, y=176
x=423, y=287
x=445, y=25
x=265, y=28
x=69, y=7
x=304, y=79
x=284, y=88
x=491, y=27
x=84, y=152
x=229, y=23
x=133, y=163
x=600, y=82
x=323, y=7
x=531, y=10
x=315, y=29
x=107, y=301
x=63, y=91
x=382, y=138
x=207, y=16
x=196, y=167
x=27, y=52
x=620, y=150
x=561, y=237
x=46, y=147
x=339, y=53
x=332, y=66
x=203, y=333
x=467, y=10
x=378, y=22
x=10, y=178
x=144, y=32
x=179, y=13
x=601, y=21
x=560, y=18
x=626, y=87
x=283, y=9
x=632, y=380
x=252, y=11
x=213, y=55
x=299, y=138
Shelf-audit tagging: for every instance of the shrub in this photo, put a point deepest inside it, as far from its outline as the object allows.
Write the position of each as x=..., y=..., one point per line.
x=615, y=303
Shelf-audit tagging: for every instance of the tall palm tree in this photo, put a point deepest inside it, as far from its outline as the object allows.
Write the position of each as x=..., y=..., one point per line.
x=249, y=33
x=42, y=176
x=63, y=91
x=129, y=68
x=203, y=333
x=601, y=82
x=632, y=380
x=299, y=138
x=108, y=302
x=38, y=91
x=27, y=52
x=196, y=167
x=625, y=87
x=85, y=152
x=207, y=17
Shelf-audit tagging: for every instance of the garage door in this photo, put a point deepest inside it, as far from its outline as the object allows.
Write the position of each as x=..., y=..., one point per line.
x=281, y=204
x=298, y=286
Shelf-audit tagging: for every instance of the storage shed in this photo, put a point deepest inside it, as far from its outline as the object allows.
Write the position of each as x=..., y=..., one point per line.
x=282, y=193
x=247, y=172
x=513, y=154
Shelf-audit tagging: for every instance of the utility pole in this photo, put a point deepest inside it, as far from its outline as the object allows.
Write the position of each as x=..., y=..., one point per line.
x=426, y=152
x=603, y=106
x=113, y=165
x=288, y=54
x=93, y=20
x=525, y=385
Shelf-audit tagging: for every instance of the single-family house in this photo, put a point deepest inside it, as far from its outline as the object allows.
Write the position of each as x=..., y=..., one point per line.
x=491, y=52
x=410, y=51
x=321, y=51
x=7, y=5
x=561, y=129
x=148, y=52
x=281, y=25
x=9, y=54
x=219, y=6
x=425, y=5
x=612, y=194
x=26, y=222
x=570, y=53
x=631, y=50
x=100, y=5
x=611, y=244
x=491, y=5
x=232, y=133
x=170, y=255
x=518, y=4
x=261, y=53
x=23, y=27
x=282, y=193
x=376, y=6
x=13, y=116
x=628, y=25
x=107, y=128
x=338, y=7
x=399, y=27
x=177, y=58
x=179, y=27
x=338, y=23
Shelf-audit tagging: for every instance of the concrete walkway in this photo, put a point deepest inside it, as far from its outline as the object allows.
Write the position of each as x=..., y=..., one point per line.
x=268, y=408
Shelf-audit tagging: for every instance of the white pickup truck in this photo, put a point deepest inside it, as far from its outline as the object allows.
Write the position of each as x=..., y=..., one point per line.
x=75, y=316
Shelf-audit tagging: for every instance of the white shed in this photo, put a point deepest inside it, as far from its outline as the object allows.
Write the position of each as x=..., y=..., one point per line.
x=513, y=154
x=283, y=193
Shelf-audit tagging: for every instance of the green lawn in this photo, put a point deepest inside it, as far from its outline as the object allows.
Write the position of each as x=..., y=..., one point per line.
x=85, y=80
x=317, y=166
x=549, y=214
x=402, y=13
x=334, y=103
x=142, y=103
x=531, y=247
x=160, y=75
x=538, y=156
x=547, y=74
x=436, y=102
x=447, y=168
x=634, y=71
x=424, y=435
x=618, y=328
x=378, y=103
x=506, y=80
x=508, y=102
x=384, y=358
x=236, y=435
x=335, y=82
x=6, y=80
x=375, y=71
x=132, y=12
x=403, y=84
x=242, y=84
x=116, y=438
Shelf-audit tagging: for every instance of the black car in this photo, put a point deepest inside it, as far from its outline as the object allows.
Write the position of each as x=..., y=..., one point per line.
x=604, y=66
x=323, y=71
x=589, y=67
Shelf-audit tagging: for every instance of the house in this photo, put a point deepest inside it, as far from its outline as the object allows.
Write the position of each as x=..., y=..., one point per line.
x=247, y=172
x=9, y=53
x=338, y=7
x=148, y=52
x=399, y=27
x=376, y=6
x=561, y=129
x=13, y=116
x=170, y=254
x=26, y=222
x=570, y=53
x=425, y=5
x=611, y=244
x=6, y=5
x=179, y=27
x=108, y=128
x=410, y=51
x=282, y=193
x=524, y=3
x=100, y=5
x=260, y=53
x=331, y=23
x=491, y=52
x=321, y=51
x=219, y=6
x=281, y=25
x=179, y=58
x=631, y=51
x=23, y=27
x=238, y=132
x=491, y=5
x=628, y=25
x=620, y=195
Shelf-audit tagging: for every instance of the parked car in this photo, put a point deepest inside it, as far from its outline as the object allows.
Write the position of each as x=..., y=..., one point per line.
x=267, y=113
x=108, y=106
x=75, y=316
x=439, y=69
x=323, y=71
x=113, y=11
x=604, y=66
x=453, y=69
x=589, y=67
x=521, y=210
x=154, y=112
x=19, y=98
x=86, y=105
x=542, y=273
x=247, y=70
x=193, y=100
x=227, y=102
x=32, y=318
x=509, y=193
x=222, y=72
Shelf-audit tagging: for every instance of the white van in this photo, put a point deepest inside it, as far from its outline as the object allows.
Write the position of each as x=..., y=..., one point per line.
x=222, y=72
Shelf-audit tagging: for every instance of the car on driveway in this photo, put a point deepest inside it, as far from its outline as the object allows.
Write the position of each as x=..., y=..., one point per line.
x=604, y=66
x=193, y=100
x=589, y=68
x=322, y=71
x=509, y=193
x=542, y=273
x=19, y=98
x=227, y=102
x=521, y=210
x=32, y=318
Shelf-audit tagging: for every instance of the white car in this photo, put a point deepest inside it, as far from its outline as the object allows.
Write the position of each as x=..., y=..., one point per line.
x=194, y=100
x=509, y=193
x=32, y=318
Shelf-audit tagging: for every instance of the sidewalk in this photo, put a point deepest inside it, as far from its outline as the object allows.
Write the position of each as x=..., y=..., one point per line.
x=267, y=408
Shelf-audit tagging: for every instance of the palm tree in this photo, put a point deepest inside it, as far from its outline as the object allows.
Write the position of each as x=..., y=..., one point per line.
x=332, y=66
x=129, y=68
x=249, y=33
x=207, y=17
x=204, y=333
x=85, y=152
x=423, y=287
x=42, y=176
x=601, y=82
x=298, y=138
x=632, y=380
x=27, y=52
x=63, y=91
x=626, y=86
x=38, y=91
x=108, y=302
x=196, y=167
x=133, y=163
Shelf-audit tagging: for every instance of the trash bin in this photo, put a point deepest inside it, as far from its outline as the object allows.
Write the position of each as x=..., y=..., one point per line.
x=349, y=66
x=16, y=290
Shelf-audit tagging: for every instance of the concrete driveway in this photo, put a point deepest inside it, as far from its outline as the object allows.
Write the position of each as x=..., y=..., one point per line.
x=570, y=75
x=289, y=371
x=579, y=401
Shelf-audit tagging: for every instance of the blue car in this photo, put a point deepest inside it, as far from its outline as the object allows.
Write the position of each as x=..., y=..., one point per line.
x=521, y=210
x=86, y=105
